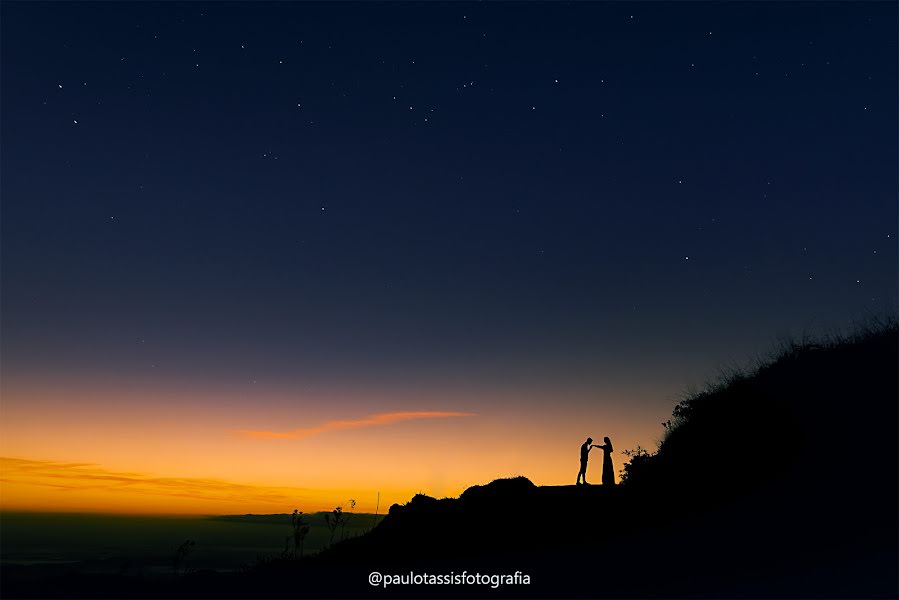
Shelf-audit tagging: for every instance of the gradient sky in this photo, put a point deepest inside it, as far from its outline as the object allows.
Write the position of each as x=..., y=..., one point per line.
x=259, y=257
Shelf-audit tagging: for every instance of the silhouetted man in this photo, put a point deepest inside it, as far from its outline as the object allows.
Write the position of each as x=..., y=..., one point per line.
x=585, y=453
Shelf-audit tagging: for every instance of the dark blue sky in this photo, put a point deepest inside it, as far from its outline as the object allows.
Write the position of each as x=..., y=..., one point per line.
x=233, y=192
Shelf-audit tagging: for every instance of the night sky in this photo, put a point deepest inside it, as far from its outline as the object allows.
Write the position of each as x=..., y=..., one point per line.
x=537, y=221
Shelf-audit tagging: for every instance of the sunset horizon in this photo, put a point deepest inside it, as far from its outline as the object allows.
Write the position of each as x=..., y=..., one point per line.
x=208, y=464
x=193, y=473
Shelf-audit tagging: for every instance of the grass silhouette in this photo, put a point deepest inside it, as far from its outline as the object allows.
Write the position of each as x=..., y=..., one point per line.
x=179, y=559
x=300, y=530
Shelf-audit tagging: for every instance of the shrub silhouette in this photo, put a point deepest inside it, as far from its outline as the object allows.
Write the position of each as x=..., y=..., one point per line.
x=346, y=519
x=333, y=521
x=638, y=457
x=339, y=519
x=300, y=529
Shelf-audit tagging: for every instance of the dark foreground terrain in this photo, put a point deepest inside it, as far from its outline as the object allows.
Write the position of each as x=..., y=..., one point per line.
x=44, y=544
x=778, y=482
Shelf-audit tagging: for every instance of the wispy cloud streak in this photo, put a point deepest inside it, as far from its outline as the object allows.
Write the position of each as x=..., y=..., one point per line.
x=377, y=420
x=88, y=476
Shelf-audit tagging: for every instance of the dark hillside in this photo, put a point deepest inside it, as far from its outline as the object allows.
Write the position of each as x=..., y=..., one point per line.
x=777, y=481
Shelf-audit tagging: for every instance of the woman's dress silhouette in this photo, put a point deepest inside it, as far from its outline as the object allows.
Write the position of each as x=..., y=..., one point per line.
x=608, y=474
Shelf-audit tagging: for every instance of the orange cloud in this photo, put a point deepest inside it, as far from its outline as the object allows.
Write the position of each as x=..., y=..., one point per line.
x=88, y=476
x=369, y=421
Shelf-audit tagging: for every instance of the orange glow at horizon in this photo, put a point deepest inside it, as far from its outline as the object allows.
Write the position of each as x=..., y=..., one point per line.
x=122, y=449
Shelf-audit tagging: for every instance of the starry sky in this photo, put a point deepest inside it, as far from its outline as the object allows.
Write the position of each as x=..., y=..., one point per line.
x=255, y=255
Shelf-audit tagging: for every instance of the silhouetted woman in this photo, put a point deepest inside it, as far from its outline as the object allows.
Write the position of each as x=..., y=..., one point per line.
x=608, y=475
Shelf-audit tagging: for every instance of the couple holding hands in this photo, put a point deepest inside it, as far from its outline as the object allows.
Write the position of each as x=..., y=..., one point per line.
x=608, y=475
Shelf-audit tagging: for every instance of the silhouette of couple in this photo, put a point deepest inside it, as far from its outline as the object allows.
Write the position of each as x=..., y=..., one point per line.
x=608, y=475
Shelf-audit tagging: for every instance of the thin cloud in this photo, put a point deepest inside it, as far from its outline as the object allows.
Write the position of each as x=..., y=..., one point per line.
x=89, y=476
x=377, y=420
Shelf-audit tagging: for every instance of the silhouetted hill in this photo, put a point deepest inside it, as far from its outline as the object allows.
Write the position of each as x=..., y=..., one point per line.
x=779, y=480
x=820, y=413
